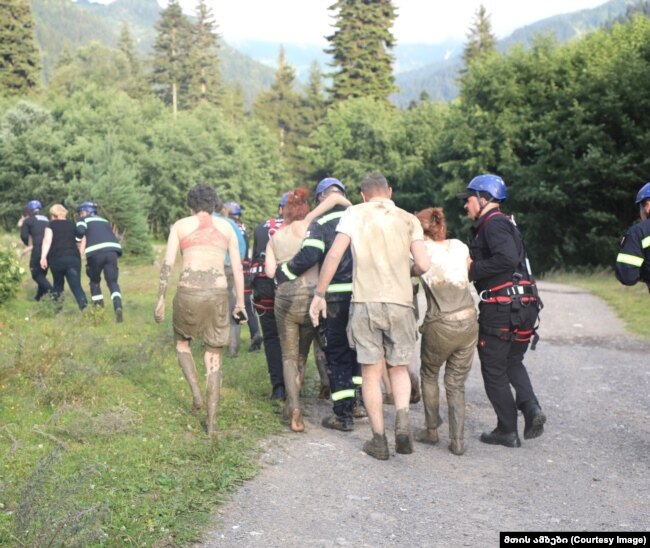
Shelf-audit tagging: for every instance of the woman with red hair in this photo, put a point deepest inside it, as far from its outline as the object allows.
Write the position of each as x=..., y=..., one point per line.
x=449, y=331
x=292, y=298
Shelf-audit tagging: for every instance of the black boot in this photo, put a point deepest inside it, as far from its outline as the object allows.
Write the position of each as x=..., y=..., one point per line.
x=534, y=419
x=496, y=437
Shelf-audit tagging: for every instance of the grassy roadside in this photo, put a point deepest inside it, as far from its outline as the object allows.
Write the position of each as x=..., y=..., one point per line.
x=629, y=303
x=97, y=445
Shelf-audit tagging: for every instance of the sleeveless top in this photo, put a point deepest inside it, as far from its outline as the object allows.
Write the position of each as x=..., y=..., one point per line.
x=206, y=234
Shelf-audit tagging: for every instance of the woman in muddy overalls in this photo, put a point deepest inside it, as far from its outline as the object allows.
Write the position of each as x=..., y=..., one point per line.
x=292, y=298
x=201, y=300
x=449, y=331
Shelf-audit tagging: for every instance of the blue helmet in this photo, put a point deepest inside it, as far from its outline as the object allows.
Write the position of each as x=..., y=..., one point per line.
x=327, y=183
x=233, y=208
x=34, y=205
x=88, y=207
x=644, y=193
x=285, y=198
x=488, y=183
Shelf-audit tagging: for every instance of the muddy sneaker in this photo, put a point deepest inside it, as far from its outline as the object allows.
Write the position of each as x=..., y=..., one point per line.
x=403, y=434
x=344, y=424
x=377, y=447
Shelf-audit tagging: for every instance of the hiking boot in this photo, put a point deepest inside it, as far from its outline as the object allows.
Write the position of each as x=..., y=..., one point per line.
x=334, y=422
x=278, y=393
x=377, y=447
x=426, y=435
x=534, y=419
x=496, y=437
x=359, y=411
x=457, y=447
x=119, y=317
x=256, y=343
x=403, y=434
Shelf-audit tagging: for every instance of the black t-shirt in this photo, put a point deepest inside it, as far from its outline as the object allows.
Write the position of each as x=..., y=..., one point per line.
x=34, y=226
x=63, y=240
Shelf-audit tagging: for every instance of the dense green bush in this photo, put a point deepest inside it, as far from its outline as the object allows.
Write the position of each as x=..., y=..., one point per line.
x=11, y=274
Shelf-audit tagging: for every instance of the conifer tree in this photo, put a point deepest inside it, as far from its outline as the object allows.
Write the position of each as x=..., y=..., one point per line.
x=126, y=46
x=480, y=39
x=278, y=108
x=20, y=61
x=206, y=79
x=360, y=48
x=172, y=51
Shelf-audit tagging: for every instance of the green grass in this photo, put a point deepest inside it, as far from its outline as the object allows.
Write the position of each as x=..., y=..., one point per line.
x=97, y=445
x=629, y=303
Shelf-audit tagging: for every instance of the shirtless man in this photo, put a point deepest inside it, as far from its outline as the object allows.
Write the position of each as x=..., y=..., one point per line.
x=201, y=302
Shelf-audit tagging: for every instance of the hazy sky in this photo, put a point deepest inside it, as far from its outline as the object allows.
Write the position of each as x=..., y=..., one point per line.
x=424, y=21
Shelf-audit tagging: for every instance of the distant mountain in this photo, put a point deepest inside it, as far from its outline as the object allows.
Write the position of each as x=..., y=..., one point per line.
x=430, y=68
x=63, y=24
x=439, y=78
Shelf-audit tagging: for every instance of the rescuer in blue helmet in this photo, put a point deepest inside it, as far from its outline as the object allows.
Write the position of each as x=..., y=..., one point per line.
x=633, y=259
x=33, y=227
x=508, y=310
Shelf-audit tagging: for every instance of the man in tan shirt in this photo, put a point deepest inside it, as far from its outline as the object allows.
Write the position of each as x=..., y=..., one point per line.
x=382, y=324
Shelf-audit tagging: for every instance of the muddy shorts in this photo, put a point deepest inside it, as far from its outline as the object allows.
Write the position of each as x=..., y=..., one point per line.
x=377, y=330
x=202, y=314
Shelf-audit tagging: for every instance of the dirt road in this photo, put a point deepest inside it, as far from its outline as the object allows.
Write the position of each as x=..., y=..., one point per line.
x=590, y=471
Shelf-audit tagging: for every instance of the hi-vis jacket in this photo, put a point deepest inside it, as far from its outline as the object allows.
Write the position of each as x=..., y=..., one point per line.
x=633, y=259
x=318, y=240
x=99, y=235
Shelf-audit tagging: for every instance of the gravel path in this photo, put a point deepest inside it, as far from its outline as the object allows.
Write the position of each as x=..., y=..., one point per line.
x=590, y=471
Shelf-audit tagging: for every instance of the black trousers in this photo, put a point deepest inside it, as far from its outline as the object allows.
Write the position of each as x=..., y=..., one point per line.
x=342, y=366
x=38, y=274
x=106, y=262
x=272, y=348
x=502, y=360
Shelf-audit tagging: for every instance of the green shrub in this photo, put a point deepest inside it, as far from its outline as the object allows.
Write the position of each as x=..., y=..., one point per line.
x=11, y=275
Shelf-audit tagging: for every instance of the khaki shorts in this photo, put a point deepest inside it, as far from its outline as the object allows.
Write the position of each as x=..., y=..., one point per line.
x=378, y=330
x=202, y=314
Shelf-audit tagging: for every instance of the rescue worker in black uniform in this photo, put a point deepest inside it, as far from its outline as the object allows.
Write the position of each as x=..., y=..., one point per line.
x=508, y=311
x=97, y=240
x=342, y=367
x=633, y=259
x=34, y=227
x=264, y=297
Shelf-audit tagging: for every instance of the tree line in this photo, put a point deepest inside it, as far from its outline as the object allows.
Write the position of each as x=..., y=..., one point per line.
x=564, y=125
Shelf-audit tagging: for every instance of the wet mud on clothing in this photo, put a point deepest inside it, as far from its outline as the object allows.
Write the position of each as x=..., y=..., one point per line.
x=202, y=314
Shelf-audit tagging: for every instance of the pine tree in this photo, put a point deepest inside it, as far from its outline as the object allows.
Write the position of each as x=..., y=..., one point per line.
x=126, y=46
x=206, y=78
x=278, y=107
x=172, y=51
x=360, y=48
x=20, y=61
x=480, y=39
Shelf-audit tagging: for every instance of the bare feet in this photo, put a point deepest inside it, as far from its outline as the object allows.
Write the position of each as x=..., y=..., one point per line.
x=297, y=425
x=426, y=435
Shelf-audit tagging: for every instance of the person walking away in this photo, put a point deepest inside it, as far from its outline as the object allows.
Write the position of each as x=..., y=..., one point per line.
x=508, y=310
x=382, y=323
x=343, y=369
x=61, y=254
x=235, y=327
x=292, y=298
x=633, y=259
x=33, y=229
x=98, y=242
x=234, y=213
x=449, y=331
x=263, y=297
x=201, y=308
